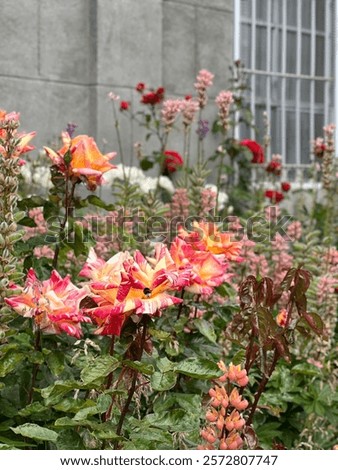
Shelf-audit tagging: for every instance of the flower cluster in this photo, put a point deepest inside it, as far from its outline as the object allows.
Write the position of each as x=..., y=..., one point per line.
x=126, y=285
x=189, y=108
x=9, y=122
x=224, y=100
x=226, y=422
x=152, y=97
x=54, y=304
x=204, y=80
x=318, y=147
x=275, y=166
x=206, y=251
x=81, y=160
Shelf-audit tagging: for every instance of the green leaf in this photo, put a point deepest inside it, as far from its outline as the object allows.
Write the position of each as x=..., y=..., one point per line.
x=31, y=202
x=36, y=432
x=55, y=362
x=27, y=222
x=9, y=361
x=146, y=369
x=54, y=392
x=68, y=439
x=103, y=402
x=198, y=368
x=33, y=408
x=146, y=164
x=206, y=329
x=99, y=369
x=106, y=431
x=306, y=369
x=161, y=381
x=96, y=201
x=85, y=412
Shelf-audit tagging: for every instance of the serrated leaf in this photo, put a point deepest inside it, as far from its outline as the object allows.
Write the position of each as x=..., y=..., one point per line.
x=9, y=361
x=99, y=369
x=85, y=412
x=36, y=432
x=198, y=368
x=69, y=439
x=146, y=369
x=162, y=381
x=55, y=362
x=206, y=329
x=33, y=408
x=54, y=392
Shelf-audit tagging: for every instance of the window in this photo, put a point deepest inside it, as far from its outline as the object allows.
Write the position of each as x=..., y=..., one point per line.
x=287, y=48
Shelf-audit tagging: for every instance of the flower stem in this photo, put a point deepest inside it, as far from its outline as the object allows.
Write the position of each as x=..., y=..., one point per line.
x=37, y=347
x=134, y=379
x=181, y=305
x=261, y=388
x=69, y=197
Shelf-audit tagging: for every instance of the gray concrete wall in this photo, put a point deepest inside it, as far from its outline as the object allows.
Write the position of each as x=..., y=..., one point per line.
x=59, y=59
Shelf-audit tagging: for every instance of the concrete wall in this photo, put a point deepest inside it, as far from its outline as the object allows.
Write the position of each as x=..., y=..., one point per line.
x=59, y=59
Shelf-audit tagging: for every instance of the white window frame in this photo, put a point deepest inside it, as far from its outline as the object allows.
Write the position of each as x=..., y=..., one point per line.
x=331, y=113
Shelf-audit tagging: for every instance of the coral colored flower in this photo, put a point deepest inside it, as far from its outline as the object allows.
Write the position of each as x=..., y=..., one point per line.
x=97, y=269
x=256, y=150
x=140, y=87
x=274, y=196
x=286, y=186
x=140, y=287
x=207, y=237
x=87, y=162
x=172, y=161
x=124, y=105
x=54, y=304
x=207, y=271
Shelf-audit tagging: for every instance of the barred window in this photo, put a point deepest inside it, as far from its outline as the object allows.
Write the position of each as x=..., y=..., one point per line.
x=287, y=48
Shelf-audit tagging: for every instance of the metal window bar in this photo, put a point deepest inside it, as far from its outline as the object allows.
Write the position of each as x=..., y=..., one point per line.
x=327, y=60
x=253, y=62
x=268, y=66
x=283, y=90
x=312, y=107
x=312, y=70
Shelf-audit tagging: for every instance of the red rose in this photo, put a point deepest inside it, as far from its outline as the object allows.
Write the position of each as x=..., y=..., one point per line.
x=256, y=150
x=286, y=186
x=274, y=196
x=150, y=98
x=153, y=97
x=172, y=161
x=124, y=105
x=140, y=87
x=274, y=167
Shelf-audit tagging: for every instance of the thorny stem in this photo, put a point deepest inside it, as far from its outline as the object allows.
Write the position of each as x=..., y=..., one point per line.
x=181, y=305
x=261, y=388
x=119, y=140
x=186, y=153
x=133, y=384
x=69, y=196
x=106, y=416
